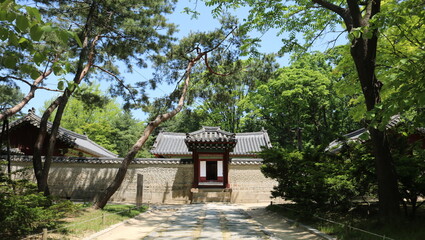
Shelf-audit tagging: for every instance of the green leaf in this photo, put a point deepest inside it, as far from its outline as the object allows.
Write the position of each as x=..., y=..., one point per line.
x=3, y=34
x=36, y=33
x=68, y=67
x=72, y=86
x=34, y=74
x=10, y=16
x=22, y=40
x=77, y=39
x=62, y=35
x=33, y=12
x=22, y=22
x=61, y=85
x=3, y=15
x=46, y=28
x=13, y=40
x=356, y=34
x=39, y=58
x=57, y=69
x=10, y=61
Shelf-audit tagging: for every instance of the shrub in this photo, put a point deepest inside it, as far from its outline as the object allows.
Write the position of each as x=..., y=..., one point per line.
x=23, y=210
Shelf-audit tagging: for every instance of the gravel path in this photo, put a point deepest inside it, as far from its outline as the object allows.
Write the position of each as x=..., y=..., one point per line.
x=205, y=221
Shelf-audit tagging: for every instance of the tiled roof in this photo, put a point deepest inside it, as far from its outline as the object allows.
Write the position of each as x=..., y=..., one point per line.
x=168, y=143
x=210, y=138
x=210, y=134
x=246, y=161
x=335, y=146
x=78, y=141
x=92, y=160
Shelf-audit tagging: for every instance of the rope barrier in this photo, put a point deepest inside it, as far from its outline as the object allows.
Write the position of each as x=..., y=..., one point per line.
x=343, y=225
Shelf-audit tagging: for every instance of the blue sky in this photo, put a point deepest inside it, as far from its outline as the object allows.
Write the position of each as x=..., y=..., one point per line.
x=205, y=21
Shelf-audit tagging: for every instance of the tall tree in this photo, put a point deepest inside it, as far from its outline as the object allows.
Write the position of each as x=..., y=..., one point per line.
x=218, y=98
x=190, y=51
x=110, y=31
x=358, y=19
x=299, y=105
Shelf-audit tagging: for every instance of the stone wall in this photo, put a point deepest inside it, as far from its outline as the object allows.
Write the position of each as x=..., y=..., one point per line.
x=153, y=183
x=249, y=185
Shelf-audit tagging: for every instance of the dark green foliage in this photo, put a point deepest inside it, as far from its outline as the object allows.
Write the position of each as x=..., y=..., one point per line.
x=303, y=95
x=315, y=179
x=23, y=210
x=409, y=155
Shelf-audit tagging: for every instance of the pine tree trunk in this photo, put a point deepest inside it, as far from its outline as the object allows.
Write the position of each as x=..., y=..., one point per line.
x=38, y=147
x=103, y=198
x=87, y=54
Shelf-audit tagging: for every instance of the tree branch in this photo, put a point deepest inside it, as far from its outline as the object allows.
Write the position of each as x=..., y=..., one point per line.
x=119, y=80
x=11, y=111
x=368, y=13
x=30, y=84
x=355, y=13
x=334, y=8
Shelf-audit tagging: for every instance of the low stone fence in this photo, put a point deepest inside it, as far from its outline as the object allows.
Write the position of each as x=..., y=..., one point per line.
x=152, y=180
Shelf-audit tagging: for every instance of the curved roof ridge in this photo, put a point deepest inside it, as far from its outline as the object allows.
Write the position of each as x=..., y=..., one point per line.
x=249, y=133
x=84, y=143
x=210, y=129
x=172, y=133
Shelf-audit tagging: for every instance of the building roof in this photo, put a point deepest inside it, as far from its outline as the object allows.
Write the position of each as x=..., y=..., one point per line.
x=210, y=138
x=249, y=143
x=355, y=136
x=77, y=141
x=108, y=161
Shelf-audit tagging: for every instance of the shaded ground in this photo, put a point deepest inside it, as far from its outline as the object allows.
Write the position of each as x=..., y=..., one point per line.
x=206, y=221
x=280, y=228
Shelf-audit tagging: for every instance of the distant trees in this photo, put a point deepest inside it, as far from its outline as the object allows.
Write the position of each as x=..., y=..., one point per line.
x=102, y=119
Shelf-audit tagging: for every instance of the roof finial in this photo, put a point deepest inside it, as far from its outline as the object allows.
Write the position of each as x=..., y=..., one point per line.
x=31, y=110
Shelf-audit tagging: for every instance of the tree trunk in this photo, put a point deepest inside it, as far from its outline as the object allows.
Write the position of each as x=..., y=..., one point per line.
x=52, y=139
x=38, y=146
x=102, y=200
x=87, y=54
x=363, y=52
x=388, y=194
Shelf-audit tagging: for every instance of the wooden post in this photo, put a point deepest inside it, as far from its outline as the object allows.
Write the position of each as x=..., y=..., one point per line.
x=139, y=190
x=44, y=233
x=195, y=169
x=226, y=169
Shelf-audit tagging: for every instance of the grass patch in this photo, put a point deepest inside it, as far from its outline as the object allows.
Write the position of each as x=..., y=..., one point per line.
x=86, y=220
x=364, y=218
